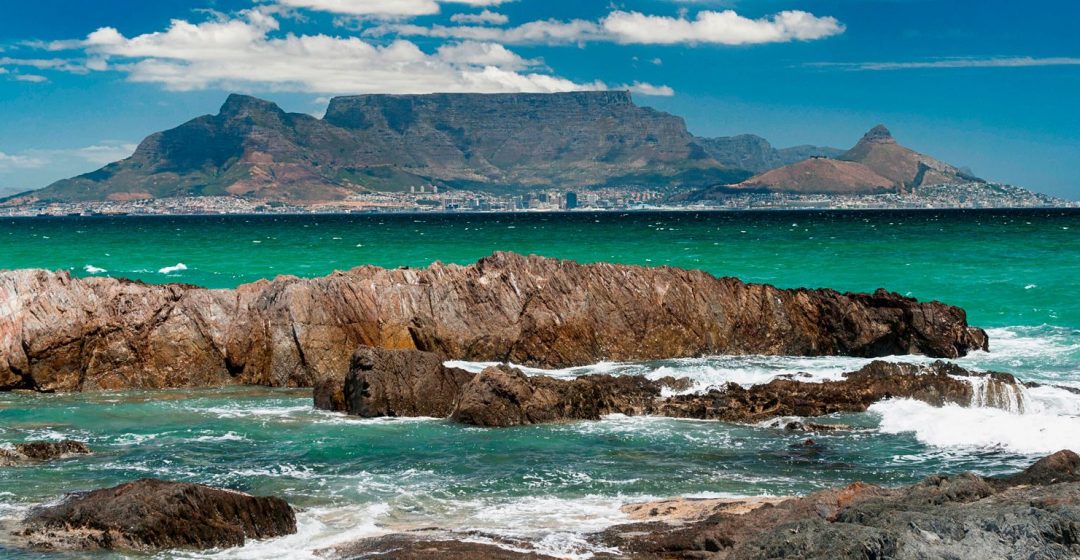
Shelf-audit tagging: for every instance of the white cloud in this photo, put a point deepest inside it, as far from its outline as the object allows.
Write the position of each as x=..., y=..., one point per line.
x=483, y=54
x=725, y=28
x=32, y=78
x=649, y=89
x=382, y=8
x=548, y=32
x=105, y=152
x=994, y=62
x=242, y=53
x=15, y=161
x=486, y=16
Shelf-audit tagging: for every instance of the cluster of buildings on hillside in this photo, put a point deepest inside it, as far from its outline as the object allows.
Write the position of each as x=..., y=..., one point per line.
x=433, y=199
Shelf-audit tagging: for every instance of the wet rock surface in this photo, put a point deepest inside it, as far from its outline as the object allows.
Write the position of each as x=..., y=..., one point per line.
x=401, y=383
x=151, y=514
x=963, y=516
x=400, y=546
x=41, y=451
x=938, y=384
x=66, y=334
x=503, y=396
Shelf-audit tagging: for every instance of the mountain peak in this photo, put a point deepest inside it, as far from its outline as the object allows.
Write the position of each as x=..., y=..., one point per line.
x=879, y=135
x=241, y=105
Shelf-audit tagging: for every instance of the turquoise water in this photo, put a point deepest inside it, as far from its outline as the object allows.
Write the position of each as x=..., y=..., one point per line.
x=1015, y=272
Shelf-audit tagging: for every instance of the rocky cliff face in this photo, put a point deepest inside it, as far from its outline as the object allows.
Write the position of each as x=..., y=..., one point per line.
x=66, y=334
x=390, y=142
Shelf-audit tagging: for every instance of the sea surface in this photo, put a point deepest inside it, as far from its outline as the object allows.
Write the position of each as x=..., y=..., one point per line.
x=1017, y=273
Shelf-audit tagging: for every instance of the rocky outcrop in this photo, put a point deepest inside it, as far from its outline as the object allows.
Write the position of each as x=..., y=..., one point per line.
x=963, y=516
x=503, y=396
x=151, y=514
x=41, y=451
x=58, y=333
x=938, y=384
x=385, y=382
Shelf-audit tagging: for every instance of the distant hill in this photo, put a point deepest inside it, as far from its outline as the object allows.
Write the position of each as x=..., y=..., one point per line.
x=494, y=142
x=876, y=164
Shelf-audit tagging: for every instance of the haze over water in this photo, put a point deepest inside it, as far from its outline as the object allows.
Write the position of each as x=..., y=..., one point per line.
x=1015, y=272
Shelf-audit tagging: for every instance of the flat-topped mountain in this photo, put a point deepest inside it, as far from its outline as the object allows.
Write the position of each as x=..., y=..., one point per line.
x=498, y=142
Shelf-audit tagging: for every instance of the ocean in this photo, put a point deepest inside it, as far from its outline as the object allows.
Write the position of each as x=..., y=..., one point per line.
x=1015, y=272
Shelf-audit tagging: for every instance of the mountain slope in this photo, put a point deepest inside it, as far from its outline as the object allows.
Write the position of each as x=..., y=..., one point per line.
x=390, y=142
x=876, y=164
x=756, y=154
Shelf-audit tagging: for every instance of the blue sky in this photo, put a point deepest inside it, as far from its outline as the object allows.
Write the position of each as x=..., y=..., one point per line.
x=991, y=85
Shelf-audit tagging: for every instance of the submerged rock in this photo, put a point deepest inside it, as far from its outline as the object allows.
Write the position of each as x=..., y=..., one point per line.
x=65, y=334
x=443, y=546
x=151, y=514
x=41, y=451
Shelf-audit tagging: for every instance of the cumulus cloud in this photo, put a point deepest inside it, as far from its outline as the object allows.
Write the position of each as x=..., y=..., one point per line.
x=485, y=17
x=105, y=152
x=483, y=54
x=381, y=8
x=32, y=78
x=244, y=52
x=724, y=28
x=995, y=62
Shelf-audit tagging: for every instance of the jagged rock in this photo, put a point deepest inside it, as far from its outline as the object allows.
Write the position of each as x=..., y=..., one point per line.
x=66, y=334
x=151, y=514
x=936, y=384
x=502, y=396
x=964, y=516
x=41, y=451
x=401, y=383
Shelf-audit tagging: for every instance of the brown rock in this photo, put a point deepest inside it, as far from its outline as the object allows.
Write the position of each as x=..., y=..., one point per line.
x=42, y=451
x=400, y=546
x=65, y=334
x=936, y=384
x=151, y=514
x=401, y=383
x=503, y=396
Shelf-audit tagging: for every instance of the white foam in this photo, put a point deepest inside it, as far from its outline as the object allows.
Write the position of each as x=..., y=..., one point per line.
x=1037, y=432
x=173, y=269
x=91, y=269
x=316, y=529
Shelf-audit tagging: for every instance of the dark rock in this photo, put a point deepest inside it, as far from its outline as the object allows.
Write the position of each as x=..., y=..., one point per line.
x=419, y=547
x=936, y=384
x=1063, y=466
x=964, y=516
x=401, y=383
x=503, y=396
x=67, y=334
x=151, y=514
x=42, y=451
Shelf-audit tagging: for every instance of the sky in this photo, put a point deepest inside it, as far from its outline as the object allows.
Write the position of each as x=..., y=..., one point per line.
x=991, y=85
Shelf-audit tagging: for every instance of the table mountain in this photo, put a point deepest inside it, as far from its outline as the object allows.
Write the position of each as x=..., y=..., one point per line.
x=493, y=142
